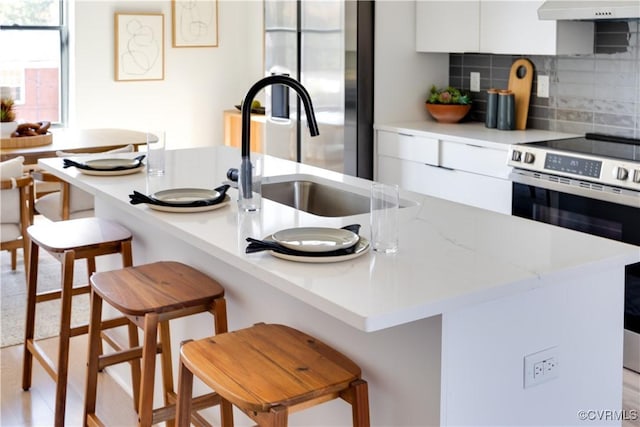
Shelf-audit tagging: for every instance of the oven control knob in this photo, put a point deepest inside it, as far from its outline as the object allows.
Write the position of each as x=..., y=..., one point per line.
x=620, y=173
x=516, y=155
x=636, y=176
x=529, y=158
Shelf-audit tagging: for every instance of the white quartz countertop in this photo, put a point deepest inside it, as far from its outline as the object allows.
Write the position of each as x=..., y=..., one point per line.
x=472, y=133
x=450, y=256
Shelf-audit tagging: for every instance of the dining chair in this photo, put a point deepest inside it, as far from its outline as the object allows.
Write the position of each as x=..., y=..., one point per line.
x=16, y=214
x=68, y=202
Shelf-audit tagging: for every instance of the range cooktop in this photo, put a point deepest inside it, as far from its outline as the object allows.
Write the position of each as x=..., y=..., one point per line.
x=603, y=159
x=597, y=145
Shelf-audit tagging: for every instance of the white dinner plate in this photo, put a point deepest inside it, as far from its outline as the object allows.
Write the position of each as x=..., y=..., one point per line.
x=189, y=209
x=110, y=164
x=98, y=172
x=362, y=247
x=315, y=239
x=179, y=196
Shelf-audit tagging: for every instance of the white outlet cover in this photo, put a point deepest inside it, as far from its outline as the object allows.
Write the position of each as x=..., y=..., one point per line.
x=474, y=78
x=550, y=356
x=543, y=87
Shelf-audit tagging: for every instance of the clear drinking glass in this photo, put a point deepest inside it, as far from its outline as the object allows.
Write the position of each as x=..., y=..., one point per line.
x=156, y=152
x=385, y=205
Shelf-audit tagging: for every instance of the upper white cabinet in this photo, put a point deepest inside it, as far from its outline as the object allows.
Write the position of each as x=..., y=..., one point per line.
x=500, y=27
x=447, y=26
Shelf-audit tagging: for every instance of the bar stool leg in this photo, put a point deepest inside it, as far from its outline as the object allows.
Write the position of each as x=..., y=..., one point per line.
x=219, y=311
x=360, y=403
x=91, y=385
x=27, y=358
x=185, y=392
x=149, y=351
x=167, y=370
x=135, y=364
x=65, y=335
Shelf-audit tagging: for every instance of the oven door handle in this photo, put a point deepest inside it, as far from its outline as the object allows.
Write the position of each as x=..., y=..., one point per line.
x=620, y=196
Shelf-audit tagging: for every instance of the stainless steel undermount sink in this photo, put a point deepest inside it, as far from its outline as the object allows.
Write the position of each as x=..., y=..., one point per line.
x=308, y=194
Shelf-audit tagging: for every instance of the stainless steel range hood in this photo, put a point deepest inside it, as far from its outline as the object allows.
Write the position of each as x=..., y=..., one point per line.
x=552, y=10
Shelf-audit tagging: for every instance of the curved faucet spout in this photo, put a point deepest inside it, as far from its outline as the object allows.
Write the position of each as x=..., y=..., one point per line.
x=245, y=166
x=257, y=87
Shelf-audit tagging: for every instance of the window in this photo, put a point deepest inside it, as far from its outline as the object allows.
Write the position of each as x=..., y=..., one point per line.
x=34, y=58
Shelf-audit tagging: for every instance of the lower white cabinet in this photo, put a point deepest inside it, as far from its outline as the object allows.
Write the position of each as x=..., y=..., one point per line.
x=463, y=173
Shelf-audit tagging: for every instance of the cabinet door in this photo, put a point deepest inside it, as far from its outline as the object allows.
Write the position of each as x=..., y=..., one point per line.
x=448, y=26
x=408, y=147
x=481, y=191
x=412, y=176
x=462, y=187
x=475, y=159
x=513, y=27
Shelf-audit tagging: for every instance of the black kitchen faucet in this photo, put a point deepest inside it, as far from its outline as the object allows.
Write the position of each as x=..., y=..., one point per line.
x=245, y=165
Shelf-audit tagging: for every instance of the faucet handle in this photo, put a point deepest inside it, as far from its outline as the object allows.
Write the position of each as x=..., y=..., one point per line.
x=232, y=174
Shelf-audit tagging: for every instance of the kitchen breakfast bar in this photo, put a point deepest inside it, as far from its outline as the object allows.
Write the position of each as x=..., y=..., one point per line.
x=444, y=330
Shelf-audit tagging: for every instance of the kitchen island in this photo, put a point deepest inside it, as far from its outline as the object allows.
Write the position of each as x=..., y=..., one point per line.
x=441, y=329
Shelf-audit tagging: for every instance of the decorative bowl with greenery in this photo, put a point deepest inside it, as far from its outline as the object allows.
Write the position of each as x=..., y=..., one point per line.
x=448, y=105
x=448, y=95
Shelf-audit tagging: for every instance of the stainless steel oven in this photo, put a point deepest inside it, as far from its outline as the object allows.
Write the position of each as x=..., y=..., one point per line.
x=590, y=184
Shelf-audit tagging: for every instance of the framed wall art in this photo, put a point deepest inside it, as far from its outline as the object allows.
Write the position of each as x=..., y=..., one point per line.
x=139, y=46
x=195, y=23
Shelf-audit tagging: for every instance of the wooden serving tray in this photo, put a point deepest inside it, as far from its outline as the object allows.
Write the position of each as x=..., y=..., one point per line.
x=26, y=141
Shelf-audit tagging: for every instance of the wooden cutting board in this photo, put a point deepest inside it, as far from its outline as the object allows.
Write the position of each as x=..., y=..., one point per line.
x=520, y=79
x=27, y=141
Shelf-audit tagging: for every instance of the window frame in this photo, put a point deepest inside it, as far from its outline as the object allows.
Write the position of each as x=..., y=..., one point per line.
x=63, y=29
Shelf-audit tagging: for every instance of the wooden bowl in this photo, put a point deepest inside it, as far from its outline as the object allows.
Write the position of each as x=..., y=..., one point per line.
x=448, y=113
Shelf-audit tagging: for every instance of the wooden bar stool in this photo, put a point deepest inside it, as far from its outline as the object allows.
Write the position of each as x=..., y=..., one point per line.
x=269, y=371
x=68, y=241
x=150, y=295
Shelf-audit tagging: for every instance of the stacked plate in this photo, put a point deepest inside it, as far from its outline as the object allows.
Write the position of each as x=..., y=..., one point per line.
x=187, y=200
x=107, y=167
x=318, y=244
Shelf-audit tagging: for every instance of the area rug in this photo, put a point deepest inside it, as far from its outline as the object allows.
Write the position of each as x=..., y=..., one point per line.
x=13, y=298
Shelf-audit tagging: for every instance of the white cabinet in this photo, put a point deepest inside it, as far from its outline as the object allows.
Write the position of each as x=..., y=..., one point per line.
x=500, y=27
x=463, y=173
x=448, y=26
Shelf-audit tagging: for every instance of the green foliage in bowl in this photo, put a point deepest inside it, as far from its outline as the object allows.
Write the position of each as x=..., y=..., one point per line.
x=7, y=114
x=449, y=95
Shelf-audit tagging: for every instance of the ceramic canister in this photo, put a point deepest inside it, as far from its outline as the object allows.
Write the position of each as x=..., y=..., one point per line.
x=506, y=110
x=491, y=120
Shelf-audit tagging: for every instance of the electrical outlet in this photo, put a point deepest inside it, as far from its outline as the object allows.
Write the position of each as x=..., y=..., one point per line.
x=475, y=81
x=543, y=87
x=540, y=367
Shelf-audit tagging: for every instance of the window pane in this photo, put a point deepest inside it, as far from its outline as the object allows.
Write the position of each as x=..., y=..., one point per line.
x=30, y=12
x=30, y=73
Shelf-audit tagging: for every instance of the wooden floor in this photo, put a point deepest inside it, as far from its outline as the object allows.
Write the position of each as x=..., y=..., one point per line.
x=36, y=407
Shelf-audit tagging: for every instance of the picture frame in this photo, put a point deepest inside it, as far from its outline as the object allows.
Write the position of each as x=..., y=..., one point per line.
x=139, y=46
x=194, y=23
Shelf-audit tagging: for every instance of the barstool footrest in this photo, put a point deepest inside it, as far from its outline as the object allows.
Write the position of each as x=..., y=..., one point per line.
x=39, y=353
x=53, y=295
x=197, y=404
x=94, y=421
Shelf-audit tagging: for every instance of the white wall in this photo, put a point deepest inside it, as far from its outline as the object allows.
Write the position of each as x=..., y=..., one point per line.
x=199, y=83
x=402, y=75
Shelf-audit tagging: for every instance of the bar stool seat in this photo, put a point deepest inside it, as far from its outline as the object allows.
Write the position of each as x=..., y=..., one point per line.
x=68, y=241
x=269, y=371
x=150, y=295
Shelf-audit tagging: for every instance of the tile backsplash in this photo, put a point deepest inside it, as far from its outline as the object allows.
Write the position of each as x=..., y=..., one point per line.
x=587, y=93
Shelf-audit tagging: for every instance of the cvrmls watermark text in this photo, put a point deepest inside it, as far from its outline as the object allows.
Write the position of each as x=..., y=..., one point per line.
x=609, y=415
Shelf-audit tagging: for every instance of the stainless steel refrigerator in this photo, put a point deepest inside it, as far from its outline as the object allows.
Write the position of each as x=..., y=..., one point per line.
x=328, y=46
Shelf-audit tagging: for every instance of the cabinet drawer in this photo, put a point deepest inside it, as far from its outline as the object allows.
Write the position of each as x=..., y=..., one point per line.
x=408, y=147
x=475, y=159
